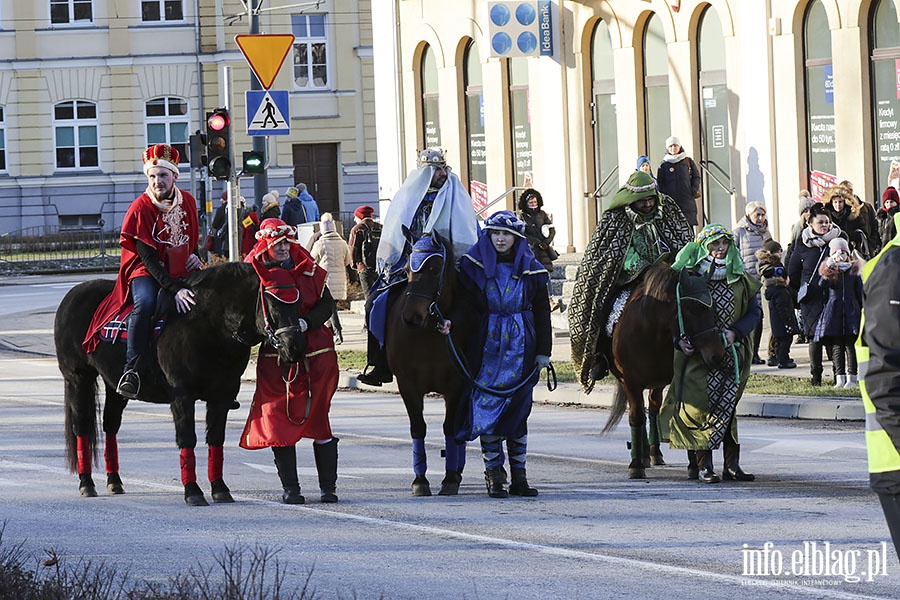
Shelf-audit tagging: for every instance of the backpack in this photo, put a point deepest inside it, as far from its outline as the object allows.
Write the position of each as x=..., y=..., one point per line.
x=369, y=246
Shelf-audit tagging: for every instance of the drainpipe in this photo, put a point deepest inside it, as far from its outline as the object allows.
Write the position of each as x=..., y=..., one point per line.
x=201, y=111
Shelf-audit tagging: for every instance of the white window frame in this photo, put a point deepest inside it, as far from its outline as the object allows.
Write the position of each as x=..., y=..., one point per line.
x=168, y=120
x=162, y=11
x=302, y=38
x=77, y=124
x=71, y=9
x=4, y=167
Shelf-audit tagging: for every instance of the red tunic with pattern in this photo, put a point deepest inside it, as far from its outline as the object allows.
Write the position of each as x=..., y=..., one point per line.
x=174, y=236
x=282, y=413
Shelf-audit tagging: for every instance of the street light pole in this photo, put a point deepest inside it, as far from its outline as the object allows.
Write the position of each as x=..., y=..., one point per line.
x=260, y=180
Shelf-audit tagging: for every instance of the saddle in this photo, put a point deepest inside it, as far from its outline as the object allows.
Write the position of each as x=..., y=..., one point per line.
x=117, y=327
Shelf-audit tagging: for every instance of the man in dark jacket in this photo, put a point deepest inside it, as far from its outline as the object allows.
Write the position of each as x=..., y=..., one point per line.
x=358, y=235
x=679, y=177
x=878, y=352
x=292, y=212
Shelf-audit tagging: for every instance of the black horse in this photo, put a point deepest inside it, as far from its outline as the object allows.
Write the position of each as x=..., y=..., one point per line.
x=418, y=355
x=666, y=304
x=199, y=355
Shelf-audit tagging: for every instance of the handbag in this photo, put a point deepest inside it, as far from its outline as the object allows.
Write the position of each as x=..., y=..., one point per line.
x=803, y=292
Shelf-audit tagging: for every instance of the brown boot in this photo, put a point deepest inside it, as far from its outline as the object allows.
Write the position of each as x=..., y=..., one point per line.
x=732, y=470
x=705, y=462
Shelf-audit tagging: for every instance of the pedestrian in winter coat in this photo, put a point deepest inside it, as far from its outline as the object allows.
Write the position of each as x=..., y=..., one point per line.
x=890, y=200
x=679, y=177
x=539, y=230
x=292, y=213
x=269, y=208
x=855, y=218
x=839, y=324
x=364, y=223
x=803, y=271
x=332, y=253
x=292, y=406
x=310, y=208
x=780, y=300
x=749, y=235
x=643, y=164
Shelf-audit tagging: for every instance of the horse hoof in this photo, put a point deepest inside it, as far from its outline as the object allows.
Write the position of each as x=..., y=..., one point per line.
x=420, y=486
x=193, y=495
x=647, y=462
x=636, y=473
x=114, y=484
x=656, y=460
x=450, y=484
x=220, y=492
x=88, y=491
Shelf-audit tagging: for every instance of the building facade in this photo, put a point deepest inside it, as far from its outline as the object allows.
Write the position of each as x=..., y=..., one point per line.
x=86, y=85
x=769, y=97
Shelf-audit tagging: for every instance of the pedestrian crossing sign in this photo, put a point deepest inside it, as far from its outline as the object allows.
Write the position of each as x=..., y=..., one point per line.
x=268, y=112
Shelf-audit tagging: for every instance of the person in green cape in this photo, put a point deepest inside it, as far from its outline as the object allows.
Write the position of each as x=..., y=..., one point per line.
x=638, y=227
x=698, y=414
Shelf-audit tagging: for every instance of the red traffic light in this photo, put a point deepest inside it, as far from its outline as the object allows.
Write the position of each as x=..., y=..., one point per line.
x=218, y=121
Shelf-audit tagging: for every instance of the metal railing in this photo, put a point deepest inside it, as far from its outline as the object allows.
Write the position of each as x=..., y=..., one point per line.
x=725, y=188
x=51, y=249
x=498, y=199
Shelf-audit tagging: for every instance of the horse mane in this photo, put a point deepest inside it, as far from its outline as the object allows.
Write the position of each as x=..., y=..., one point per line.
x=658, y=282
x=212, y=277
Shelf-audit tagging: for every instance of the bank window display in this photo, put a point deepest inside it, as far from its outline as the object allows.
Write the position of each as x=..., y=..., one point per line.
x=604, y=123
x=885, y=56
x=520, y=120
x=715, y=138
x=475, y=141
x=431, y=123
x=657, y=116
x=819, y=80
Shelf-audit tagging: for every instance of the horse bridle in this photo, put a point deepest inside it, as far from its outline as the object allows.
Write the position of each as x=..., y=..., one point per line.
x=271, y=331
x=433, y=309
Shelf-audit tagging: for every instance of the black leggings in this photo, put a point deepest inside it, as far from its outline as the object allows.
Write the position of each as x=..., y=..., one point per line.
x=841, y=349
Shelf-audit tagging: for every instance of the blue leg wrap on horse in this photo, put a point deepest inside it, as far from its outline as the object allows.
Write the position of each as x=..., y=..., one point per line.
x=420, y=462
x=451, y=453
x=517, y=449
x=461, y=459
x=492, y=451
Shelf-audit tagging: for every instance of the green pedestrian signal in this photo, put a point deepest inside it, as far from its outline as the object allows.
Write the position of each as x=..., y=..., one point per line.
x=254, y=162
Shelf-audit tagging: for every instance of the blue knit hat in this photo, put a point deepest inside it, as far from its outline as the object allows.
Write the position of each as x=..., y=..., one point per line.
x=643, y=158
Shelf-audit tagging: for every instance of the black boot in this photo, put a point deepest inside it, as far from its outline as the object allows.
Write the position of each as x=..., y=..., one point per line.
x=495, y=480
x=705, y=462
x=732, y=470
x=380, y=372
x=286, y=463
x=519, y=485
x=326, y=465
x=815, y=362
x=693, y=468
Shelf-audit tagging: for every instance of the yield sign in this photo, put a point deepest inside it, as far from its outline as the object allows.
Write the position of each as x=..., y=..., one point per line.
x=265, y=53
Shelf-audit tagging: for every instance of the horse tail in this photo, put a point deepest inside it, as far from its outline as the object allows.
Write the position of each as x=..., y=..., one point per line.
x=620, y=403
x=81, y=416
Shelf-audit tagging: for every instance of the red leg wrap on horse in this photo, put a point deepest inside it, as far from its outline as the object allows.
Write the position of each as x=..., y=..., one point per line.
x=111, y=454
x=83, y=450
x=214, y=465
x=188, y=466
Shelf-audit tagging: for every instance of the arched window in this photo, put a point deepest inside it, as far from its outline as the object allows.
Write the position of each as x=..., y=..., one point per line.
x=715, y=144
x=431, y=123
x=520, y=120
x=819, y=78
x=884, y=43
x=75, y=130
x=167, y=123
x=657, y=117
x=604, y=124
x=475, y=141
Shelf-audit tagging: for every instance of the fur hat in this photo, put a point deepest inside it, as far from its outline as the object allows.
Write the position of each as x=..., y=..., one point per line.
x=751, y=207
x=269, y=200
x=326, y=222
x=363, y=212
x=161, y=155
x=672, y=140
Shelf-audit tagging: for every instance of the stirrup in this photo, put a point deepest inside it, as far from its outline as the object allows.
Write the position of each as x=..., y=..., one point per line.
x=129, y=385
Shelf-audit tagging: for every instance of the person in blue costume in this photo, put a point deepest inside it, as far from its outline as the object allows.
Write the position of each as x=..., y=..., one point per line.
x=431, y=199
x=509, y=292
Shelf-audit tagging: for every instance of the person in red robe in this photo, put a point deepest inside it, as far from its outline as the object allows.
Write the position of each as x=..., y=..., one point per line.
x=292, y=402
x=159, y=240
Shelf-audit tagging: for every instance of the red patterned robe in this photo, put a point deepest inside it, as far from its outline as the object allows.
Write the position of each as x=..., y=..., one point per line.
x=283, y=413
x=174, y=236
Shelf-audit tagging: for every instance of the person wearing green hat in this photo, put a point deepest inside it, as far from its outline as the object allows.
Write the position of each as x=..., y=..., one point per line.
x=698, y=413
x=638, y=227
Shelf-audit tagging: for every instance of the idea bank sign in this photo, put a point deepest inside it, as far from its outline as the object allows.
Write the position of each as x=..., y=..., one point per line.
x=520, y=28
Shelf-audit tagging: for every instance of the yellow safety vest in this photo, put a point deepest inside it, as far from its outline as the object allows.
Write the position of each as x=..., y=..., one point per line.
x=883, y=455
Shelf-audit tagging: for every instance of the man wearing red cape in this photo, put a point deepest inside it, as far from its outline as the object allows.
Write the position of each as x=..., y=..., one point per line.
x=292, y=402
x=159, y=238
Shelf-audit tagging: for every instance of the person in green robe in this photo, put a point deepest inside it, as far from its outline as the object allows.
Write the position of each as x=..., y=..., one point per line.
x=698, y=414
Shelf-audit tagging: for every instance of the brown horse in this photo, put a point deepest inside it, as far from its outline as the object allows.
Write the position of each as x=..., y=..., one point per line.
x=666, y=304
x=418, y=354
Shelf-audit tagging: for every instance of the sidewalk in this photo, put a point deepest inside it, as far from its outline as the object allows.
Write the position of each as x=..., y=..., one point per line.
x=31, y=334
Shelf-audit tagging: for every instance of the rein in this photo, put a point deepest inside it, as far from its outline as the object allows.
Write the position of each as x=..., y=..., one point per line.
x=271, y=332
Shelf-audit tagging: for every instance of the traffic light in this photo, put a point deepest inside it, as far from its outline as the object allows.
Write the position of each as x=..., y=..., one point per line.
x=197, y=149
x=254, y=162
x=218, y=143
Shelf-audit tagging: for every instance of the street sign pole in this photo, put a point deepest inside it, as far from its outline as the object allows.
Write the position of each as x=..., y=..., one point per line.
x=260, y=180
x=234, y=234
